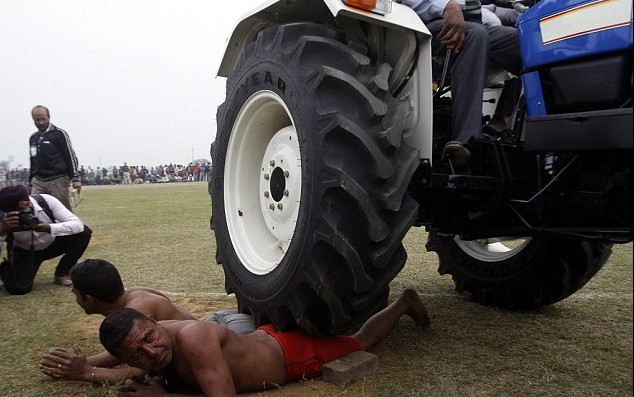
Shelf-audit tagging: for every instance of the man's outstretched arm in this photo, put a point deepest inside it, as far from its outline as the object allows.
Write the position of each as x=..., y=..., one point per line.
x=74, y=365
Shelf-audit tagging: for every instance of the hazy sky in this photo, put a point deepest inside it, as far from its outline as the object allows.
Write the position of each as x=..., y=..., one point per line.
x=129, y=80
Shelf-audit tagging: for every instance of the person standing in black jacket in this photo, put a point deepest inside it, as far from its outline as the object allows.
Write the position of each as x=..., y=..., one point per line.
x=53, y=160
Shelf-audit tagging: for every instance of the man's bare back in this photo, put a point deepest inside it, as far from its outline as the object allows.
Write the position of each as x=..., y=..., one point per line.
x=153, y=303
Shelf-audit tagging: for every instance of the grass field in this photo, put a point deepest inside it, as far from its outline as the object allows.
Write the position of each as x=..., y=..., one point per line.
x=158, y=236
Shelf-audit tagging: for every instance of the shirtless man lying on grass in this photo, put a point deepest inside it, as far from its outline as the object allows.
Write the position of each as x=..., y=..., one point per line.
x=204, y=358
x=98, y=289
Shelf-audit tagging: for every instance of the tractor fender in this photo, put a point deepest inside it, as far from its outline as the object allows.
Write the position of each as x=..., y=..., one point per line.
x=402, y=18
x=275, y=11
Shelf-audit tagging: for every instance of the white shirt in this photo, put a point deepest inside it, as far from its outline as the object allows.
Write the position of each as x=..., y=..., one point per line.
x=66, y=224
x=427, y=9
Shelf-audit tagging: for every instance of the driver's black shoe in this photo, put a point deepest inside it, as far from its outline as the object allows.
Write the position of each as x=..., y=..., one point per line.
x=456, y=153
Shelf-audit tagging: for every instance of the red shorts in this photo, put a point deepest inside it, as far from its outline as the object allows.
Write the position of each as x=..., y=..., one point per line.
x=305, y=356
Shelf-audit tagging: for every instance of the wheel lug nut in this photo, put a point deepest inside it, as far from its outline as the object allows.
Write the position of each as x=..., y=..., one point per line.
x=280, y=206
x=271, y=206
x=267, y=177
x=286, y=193
x=286, y=174
x=272, y=163
x=266, y=194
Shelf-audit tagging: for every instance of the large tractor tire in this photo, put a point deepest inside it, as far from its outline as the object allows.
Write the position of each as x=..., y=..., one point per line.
x=309, y=186
x=518, y=274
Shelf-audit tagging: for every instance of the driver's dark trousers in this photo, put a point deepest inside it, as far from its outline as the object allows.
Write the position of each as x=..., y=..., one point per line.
x=469, y=68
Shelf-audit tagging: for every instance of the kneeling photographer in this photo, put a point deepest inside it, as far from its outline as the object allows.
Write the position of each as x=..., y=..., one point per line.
x=37, y=228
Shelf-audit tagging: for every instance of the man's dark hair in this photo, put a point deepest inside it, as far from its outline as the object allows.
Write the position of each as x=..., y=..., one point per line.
x=11, y=196
x=116, y=326
x=98, y=278
x=36, y=107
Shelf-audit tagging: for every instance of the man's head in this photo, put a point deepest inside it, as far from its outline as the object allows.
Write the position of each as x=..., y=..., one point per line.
x=136, y=339
x=41, y=117
x=95, y=279
x=13, y=198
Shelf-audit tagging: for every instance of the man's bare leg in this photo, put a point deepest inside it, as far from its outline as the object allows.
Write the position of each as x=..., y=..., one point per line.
x=379, y=325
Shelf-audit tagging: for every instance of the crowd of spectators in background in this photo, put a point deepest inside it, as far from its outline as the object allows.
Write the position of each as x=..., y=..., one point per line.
x=192, y=172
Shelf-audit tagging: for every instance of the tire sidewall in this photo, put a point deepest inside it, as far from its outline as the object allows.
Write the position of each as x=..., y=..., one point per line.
x=253, y=76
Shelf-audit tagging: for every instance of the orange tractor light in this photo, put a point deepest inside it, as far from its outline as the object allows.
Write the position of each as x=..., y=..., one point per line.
x=377, y=6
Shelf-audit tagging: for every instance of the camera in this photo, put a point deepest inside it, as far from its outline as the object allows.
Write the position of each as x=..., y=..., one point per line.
x=27, y=219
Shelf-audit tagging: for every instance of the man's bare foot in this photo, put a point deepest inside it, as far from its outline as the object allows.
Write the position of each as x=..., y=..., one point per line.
x=415, y=308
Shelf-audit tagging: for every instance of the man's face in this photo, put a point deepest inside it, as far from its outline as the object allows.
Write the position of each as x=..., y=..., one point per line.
x=25, y=204
x=147, y=346
x=82, y=302
x=41, y=119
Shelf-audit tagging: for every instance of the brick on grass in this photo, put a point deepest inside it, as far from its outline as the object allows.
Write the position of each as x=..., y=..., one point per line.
x=347, y=369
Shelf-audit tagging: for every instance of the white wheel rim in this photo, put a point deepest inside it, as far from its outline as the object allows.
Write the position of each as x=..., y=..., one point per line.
x=493, y=249
x=262, y=182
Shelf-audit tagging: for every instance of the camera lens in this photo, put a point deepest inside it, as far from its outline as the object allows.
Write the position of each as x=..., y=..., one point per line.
x=28, y=219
